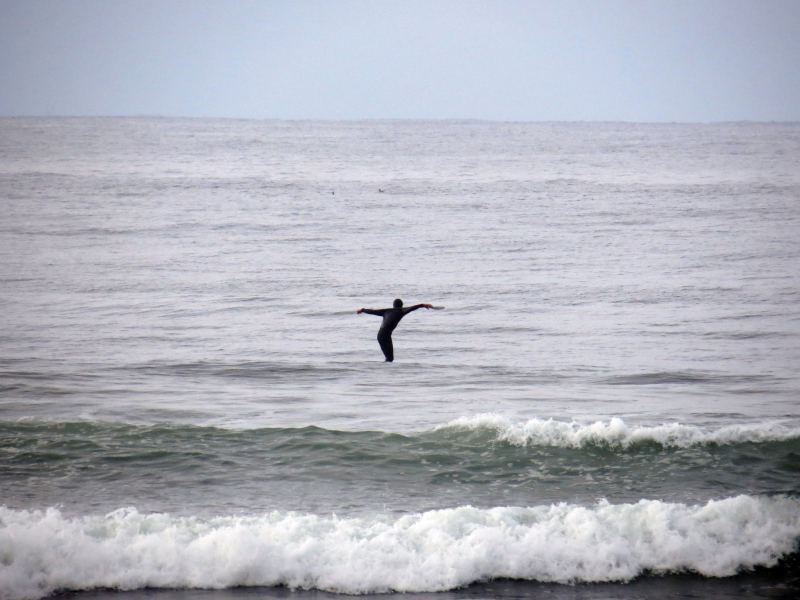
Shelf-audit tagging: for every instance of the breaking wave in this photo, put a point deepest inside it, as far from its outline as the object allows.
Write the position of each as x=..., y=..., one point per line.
x=46, y=551
x=615, y=432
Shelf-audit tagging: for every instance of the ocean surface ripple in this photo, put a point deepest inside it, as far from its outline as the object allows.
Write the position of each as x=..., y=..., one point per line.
x=188, y=399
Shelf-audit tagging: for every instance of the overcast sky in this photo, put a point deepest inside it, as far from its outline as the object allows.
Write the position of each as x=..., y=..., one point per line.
x=631, y=60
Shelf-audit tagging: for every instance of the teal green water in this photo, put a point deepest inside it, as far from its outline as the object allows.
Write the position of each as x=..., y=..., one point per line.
x=179, y=469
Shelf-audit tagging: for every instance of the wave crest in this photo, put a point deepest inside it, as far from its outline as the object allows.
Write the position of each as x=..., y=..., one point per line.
x=45, y=551
x=615, y=432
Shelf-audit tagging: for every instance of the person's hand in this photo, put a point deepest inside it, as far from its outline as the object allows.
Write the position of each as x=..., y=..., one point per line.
x=428, y=305
x=359, y=311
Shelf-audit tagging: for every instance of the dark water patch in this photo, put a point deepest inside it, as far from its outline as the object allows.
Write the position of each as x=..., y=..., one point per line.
x=670, y=377
x=684, y=378
x=745, y=335
x=50, y=381
x=239, y=369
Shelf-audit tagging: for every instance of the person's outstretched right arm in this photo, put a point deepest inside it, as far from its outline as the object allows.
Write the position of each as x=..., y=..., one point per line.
x=415, y=307
x=372, y=311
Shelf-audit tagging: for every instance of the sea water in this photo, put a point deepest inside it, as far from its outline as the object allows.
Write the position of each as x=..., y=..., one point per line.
x=188, y=399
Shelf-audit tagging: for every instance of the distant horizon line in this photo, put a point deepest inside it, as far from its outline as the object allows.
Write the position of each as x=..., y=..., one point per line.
x=407, y=119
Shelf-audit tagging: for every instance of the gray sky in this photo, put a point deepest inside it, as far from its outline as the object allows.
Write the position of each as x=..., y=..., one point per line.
x=631, y=60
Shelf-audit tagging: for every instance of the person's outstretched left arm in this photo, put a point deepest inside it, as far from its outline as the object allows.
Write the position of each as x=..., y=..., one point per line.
x=415, y=307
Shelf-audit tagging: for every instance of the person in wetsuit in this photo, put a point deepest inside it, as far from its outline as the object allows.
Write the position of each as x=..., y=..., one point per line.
x=391, y=317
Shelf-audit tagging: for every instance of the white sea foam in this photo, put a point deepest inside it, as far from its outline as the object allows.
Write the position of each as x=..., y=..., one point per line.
x=44, y=551
x=615, y=432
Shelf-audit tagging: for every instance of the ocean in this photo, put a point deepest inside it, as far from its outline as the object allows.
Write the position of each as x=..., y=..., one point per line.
x=608, y=406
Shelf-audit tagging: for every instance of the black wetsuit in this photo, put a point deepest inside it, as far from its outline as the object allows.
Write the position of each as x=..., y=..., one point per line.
x=391, y=317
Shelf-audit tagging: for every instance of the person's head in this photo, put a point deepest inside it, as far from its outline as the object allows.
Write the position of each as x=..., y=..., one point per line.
x=398, y=303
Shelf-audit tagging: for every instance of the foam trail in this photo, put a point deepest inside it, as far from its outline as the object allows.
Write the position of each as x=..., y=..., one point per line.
x=615, y=432
x=45, y=551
